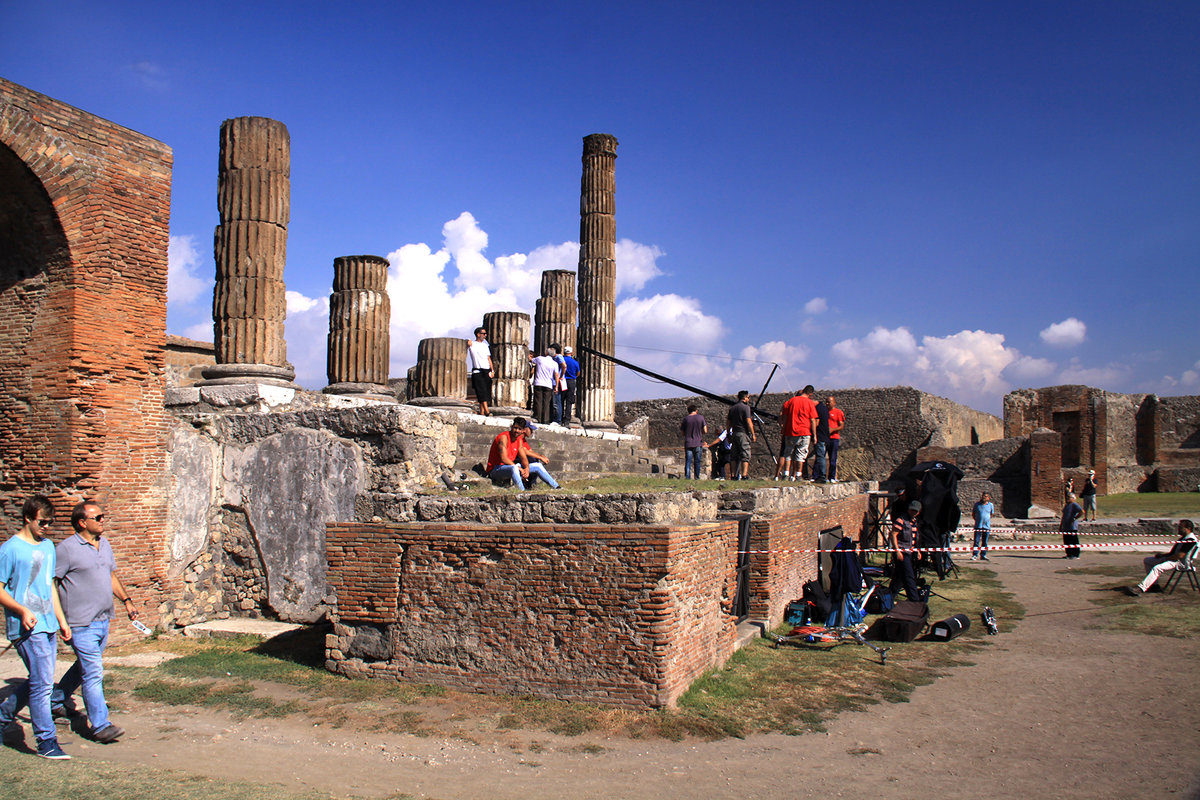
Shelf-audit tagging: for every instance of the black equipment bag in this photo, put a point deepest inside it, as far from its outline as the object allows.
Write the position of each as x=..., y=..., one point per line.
x=904, y=622
x=951, y=627
x=813, y=593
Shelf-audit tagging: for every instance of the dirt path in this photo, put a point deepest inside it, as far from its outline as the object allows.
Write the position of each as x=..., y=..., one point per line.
x=1053, y=709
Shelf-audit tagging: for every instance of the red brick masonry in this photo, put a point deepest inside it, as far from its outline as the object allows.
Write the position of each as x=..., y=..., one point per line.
x=629, y=615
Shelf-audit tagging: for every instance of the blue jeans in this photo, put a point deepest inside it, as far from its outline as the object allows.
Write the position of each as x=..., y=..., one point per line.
x=819, y=462
x=513, y=473
x=557, y=408
x=693, y=457
x=979, y=547
x=88, y=642
x=38, y=654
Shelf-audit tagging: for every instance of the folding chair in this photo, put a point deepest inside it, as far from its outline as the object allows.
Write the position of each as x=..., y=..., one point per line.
x=1186, y=566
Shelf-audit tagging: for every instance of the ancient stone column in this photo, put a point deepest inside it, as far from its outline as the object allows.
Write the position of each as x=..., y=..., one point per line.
x=360, y=316
x=508, y=336
x=597, y=281
x=250, y=246
x=556, y=311
x=439, y=379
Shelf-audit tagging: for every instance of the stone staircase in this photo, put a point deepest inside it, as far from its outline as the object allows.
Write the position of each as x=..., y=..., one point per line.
x=574, y=454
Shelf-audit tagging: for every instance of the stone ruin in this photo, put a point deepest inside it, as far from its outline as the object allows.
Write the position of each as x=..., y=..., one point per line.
x=249, y=496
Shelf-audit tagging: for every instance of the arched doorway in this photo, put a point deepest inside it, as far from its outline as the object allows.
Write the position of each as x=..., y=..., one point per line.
x=34, y=257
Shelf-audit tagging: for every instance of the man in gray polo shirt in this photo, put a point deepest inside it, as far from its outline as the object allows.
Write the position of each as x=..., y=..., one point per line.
x=87, y=580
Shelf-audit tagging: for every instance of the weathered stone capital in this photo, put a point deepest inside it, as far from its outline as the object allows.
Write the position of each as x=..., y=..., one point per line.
x=600, y=144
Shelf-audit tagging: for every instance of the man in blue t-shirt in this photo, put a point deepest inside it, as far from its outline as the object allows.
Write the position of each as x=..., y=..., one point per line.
x=33, y=619
x=571, y=376
x=983, y=527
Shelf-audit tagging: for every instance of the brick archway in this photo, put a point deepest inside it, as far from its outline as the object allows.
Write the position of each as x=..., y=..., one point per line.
x=84, y=212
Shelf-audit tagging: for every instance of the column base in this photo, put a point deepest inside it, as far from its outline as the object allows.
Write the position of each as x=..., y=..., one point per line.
x=374, y=391
x=232, y=374
x=443, y=403
x=602, y=425
x=510, y=412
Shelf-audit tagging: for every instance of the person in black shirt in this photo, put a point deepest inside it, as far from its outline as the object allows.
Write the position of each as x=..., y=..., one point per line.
x=740, y=422
x=819, y=471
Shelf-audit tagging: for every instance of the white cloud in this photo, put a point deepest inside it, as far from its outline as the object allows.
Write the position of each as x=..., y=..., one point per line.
x=637, y=265
x=1026, y=370
x=1106, y=377
x=184, y=284
x=818, y=305
x=667, y=321
x=201, y=332
x=299, y=304
x=1068, y=333
x=307, y=334
x=968, y=365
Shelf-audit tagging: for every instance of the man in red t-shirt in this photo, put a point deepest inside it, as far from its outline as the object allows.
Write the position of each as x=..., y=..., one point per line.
x=798, y=419
x=509, y=458
x=837, y=421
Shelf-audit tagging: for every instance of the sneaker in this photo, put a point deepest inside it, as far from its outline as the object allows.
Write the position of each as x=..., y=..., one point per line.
x=984, y=558
x=48, y=748
x=973, y=558
x=1132, y=591
x=108, y=734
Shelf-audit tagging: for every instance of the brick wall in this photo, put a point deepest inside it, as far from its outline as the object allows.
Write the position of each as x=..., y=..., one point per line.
x=778, y=575
x=1046, y=476
x=628, y=615
x=84, y=210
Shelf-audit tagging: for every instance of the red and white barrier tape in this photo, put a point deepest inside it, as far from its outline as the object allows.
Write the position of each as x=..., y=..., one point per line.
x=968, y=529
x=965, y=548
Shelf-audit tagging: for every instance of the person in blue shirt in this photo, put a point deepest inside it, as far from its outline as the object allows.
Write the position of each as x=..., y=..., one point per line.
x=983, y=527
x=571, y=376
x=33, y=619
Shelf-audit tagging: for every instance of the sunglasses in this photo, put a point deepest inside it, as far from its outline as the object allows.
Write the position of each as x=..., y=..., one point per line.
x=98, y=518
x=45, y=523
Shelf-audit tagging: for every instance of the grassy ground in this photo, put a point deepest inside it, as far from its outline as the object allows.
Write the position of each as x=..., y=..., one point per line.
x=1150, y=504
x=29, y=778
x=1154, y=614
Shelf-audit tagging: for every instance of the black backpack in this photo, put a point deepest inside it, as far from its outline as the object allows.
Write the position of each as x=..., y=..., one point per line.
x=814, y=594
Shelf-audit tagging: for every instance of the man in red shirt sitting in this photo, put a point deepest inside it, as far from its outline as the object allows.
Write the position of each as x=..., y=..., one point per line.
x=509, y=458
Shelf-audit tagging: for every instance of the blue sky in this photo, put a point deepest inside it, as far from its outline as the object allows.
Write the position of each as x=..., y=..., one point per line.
x=964, y=197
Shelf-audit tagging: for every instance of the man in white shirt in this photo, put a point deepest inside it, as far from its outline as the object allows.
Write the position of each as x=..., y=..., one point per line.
x=546, y=373
x=479, y=360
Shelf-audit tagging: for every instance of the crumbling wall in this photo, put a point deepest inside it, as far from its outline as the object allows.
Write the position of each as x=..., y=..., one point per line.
x=628, y=615
x=252, y=493
x=884, y=427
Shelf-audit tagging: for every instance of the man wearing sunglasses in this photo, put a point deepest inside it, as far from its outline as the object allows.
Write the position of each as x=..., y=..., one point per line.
x=34, y=618
x=87, y=581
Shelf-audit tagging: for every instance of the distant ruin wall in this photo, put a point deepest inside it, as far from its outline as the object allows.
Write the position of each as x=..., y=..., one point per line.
x=884, y=427
x=628, y=615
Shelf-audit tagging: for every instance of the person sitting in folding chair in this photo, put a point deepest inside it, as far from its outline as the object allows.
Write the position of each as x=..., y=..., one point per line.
x=1180, y=557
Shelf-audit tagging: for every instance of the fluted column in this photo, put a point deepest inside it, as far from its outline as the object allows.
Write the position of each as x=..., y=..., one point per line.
x=250, y=248
x=360, y=315
x=508, y=337
x=597, y=281
x=556, y=311
x=440, y=376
